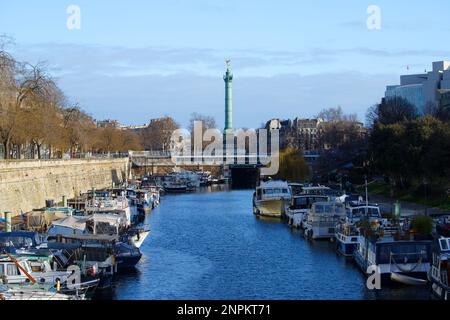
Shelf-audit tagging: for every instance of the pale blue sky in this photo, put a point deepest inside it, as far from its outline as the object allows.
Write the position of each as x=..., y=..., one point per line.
x=135, y=60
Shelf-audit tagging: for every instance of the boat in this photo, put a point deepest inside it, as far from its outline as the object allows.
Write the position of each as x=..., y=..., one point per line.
x=174, y=187
x=107, y=205
x=299, y=208
x=322, y=219
x=397, y=257
x=155, y=195
x=296, y=188
x=98, y=226
x=138, y=235
x=271, y=198
x=30, y=269
x=316, y=190
x=443, y=226
x=347, y=231
x=439, y=274
x=33, y=293
x=407, y=280
x=144, y=203
x=205, y=178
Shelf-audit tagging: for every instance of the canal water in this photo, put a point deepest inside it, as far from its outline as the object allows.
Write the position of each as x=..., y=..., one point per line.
x=209, y=245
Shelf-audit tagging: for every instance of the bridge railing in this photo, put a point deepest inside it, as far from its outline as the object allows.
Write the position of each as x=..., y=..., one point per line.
x=150, y=154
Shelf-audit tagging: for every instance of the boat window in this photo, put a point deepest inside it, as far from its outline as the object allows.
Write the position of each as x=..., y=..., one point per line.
x=328, y=209
x=17, y=241
x=277, y=190
x=320, y=208
x=2, y=270
x=36, y=267
x=300, y=203
x=12, y=270
x=268, y=191
x=444, y=244
x=374, y=212
x=285, y=190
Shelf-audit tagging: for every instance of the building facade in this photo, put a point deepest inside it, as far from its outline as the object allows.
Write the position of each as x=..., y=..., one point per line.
x=298, y=133
x=422, y=90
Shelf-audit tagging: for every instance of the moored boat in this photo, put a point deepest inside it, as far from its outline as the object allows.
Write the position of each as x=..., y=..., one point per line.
x=271, y=198
x=323, y=218
x=396, y=257
x=439, y=274
x=299, y=208
x=347, y=231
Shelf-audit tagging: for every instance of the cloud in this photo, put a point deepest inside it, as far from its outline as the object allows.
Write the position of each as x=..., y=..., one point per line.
x=136, y=99
x=136, y=84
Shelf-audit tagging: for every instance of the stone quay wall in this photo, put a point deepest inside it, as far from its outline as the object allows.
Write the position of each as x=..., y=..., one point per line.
x=26, y=184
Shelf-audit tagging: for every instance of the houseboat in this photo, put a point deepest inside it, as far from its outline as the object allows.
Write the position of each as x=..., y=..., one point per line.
x=98, y=226
x=439, y=274
x=397, y=257
x=271, y=198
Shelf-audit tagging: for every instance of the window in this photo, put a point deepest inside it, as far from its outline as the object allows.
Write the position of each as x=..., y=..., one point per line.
x=320, y=208
x=12, y=270
x=300, y=203
x=444, y=244
x=2, y=270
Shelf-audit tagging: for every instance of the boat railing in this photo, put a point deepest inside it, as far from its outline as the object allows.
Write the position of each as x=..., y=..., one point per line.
x=417, y=262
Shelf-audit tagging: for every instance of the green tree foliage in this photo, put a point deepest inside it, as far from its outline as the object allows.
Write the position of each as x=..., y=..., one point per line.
x=412, y=152
x=423, y=225
x=293, y=166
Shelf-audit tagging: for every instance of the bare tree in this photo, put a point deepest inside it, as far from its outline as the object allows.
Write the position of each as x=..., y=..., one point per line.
x=158, y=133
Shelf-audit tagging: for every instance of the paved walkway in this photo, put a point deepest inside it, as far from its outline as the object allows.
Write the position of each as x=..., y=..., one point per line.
x=407, y=208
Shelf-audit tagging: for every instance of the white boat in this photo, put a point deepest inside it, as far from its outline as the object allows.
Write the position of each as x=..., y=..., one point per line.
x=410, y=281
x=25, y=270
x=323, y=218
x=31, y=293
x=299, y=208
x=271, y=198
x=139, y=237
x=119, y=206
x=316, y=190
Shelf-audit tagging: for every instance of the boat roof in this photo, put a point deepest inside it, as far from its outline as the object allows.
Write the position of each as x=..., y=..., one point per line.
x=274, y=184
x=359, y=205
x=328, y=203
x=88, y=237
x=24, y=234
x=79, y=222
x=316, y=188
x=309, y=195
x=73, y=222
